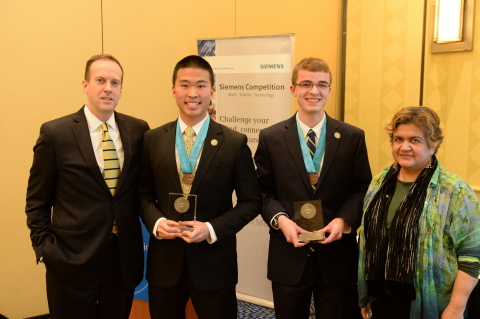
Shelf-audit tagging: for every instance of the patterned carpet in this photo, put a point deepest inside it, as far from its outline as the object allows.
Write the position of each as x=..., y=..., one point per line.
x=251, y=311
x=248, y=310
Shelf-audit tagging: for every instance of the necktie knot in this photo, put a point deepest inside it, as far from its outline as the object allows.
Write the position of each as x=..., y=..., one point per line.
x=189, y=132
x=104, y=128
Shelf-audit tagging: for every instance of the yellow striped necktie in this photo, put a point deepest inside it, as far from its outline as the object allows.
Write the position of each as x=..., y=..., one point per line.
x=190, y=133
x=111, y=165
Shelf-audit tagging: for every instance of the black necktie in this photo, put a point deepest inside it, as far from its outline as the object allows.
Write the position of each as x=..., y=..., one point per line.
x=311, y=142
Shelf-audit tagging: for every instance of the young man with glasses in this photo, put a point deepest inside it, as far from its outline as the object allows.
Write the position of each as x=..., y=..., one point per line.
x=313, y=158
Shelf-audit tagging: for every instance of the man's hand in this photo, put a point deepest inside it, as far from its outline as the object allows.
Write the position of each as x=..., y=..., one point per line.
x=291, y=230
x=335, y=229
x=199, y=233
x=168, y=229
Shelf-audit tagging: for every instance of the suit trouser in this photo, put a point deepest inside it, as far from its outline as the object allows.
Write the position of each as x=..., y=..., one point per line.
x=331, y=301
x=170, y=303
x=391, y=308
x=104, y=298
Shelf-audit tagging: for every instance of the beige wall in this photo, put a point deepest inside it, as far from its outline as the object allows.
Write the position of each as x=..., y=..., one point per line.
x=43, y=48
x=452, y=88
x=384, y=56
x=384, y=46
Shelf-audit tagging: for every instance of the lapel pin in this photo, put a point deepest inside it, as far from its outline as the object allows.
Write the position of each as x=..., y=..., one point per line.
x=337, y=135
x=214, y=142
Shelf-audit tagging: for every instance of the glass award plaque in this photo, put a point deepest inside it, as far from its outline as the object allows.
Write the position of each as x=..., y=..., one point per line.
x=182, y=208
x=309, y=216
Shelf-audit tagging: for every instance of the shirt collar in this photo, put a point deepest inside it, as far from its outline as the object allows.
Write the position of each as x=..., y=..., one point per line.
x=197, y=127
x=317, y=128
x=94, y=123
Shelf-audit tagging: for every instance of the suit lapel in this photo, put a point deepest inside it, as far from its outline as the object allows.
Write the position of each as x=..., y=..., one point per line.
x=208, y=153
x=168, y=149
x=82, y=135
x=330, y=148
x=126, y=136
x=293, y=143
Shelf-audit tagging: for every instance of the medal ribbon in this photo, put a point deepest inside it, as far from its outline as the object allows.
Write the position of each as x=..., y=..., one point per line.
x=188, y=163
x=313, y=164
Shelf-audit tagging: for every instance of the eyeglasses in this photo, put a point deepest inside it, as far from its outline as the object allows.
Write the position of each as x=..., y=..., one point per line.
x=310, y=85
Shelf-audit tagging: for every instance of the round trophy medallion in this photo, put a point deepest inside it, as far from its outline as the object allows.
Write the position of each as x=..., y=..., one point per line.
x=181, y=204
x=308, y=211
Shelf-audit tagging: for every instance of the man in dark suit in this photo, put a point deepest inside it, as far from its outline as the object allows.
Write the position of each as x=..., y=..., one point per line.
x=337, y=172
x=84, y=223
x=200, y=264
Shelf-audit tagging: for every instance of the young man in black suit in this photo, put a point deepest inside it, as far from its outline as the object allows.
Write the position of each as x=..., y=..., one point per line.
x=200, y=264
x=335, y=171
x=84, y=222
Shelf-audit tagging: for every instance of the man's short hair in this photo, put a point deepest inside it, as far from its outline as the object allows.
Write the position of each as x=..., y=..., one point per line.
x=194, y=62
x=312, y=65
x=100, y=57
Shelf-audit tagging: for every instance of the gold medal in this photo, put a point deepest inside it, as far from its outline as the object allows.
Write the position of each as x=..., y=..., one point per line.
x=181, y=204
x=187, y=179
x=313, y=178
x=308, y=211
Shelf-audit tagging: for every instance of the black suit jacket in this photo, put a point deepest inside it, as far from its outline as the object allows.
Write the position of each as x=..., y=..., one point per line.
x=70, y=210
x=223, y=167
x=343, y=181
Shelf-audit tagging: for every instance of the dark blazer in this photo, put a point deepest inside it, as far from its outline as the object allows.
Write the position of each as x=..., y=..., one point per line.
x=70, y=210
x=342, y=184
x=223, y=168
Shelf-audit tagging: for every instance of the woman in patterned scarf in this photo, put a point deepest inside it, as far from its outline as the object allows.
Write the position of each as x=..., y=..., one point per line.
x=420, y=234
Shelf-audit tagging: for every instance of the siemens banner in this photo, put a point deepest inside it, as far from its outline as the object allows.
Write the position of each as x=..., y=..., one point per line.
x=252, y=92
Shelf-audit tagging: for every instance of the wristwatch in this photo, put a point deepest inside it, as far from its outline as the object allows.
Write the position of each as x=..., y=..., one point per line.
x=275, y=220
